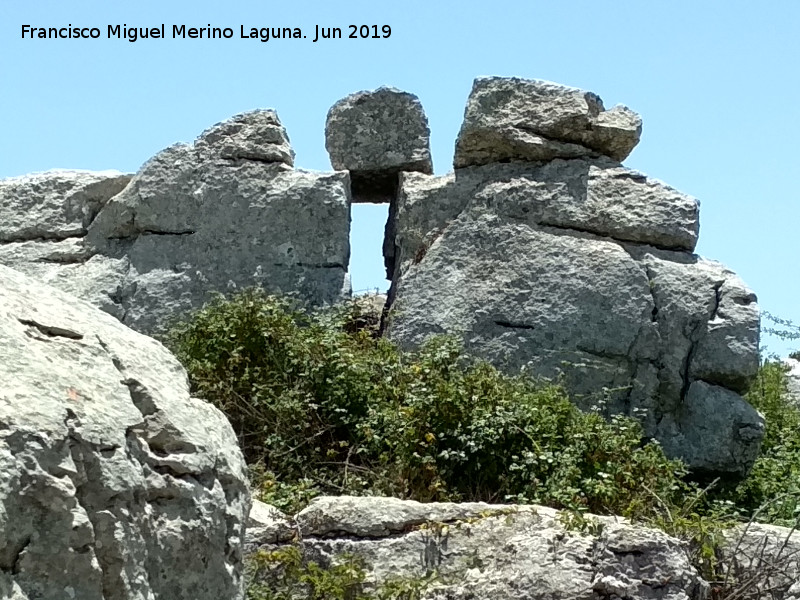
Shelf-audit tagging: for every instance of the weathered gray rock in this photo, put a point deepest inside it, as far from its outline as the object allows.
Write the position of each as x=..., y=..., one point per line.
x=761, y=561
x=224, y=213
x=375, y=135
x=714, y=429
x=530, y=120
x=589, y=195
x=580, y=268
x=54, y=205
x=189, y=226
x=256, y=135
x=267, y=525
x=45, y=219
x=499, y=552
x=114, y=482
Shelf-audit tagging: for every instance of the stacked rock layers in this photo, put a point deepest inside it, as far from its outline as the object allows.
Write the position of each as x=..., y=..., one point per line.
x=540, y=251
x=226, y=212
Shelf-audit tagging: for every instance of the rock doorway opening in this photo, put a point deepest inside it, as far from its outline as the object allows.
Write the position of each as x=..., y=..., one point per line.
x=376, y=136
x=367, y=269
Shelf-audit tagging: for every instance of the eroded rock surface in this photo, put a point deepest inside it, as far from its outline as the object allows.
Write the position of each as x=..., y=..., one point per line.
x=115, y=484
x=762, y=561
x=44, y=219
x=493, y=551
x=223, y=213
x=508, y=118
x=578, y=267
x=375, y=135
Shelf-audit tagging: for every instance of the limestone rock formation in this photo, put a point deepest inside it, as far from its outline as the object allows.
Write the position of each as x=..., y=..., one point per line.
x=114, y=482
x=492, y=551
x=224, y=213
x=762, y=561
x=375, y=135
x=578, y=268
x=44, y=219
x=522, y=119
x=540, y=251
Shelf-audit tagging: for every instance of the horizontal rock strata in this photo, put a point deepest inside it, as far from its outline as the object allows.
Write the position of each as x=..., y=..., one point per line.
x=508, y=118
x=224, y=213
x=581, y=269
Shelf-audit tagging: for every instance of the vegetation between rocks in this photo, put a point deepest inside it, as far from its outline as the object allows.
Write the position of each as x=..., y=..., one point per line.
x=322, y=405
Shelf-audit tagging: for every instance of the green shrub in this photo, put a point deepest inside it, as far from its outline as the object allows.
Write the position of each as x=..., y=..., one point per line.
x=773, y=484
x=283, y=574
x=321, y=407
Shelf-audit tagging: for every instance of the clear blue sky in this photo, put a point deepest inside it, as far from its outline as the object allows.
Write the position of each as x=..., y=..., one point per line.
x=716, y=83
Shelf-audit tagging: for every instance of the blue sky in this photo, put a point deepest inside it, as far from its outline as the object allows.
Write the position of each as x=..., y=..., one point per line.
x=716, y=83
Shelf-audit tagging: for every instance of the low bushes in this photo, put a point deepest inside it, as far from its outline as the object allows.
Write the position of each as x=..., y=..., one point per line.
x=322, y=407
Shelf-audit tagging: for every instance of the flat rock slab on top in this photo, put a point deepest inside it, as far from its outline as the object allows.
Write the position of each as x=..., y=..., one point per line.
x=510, y=119
x=375, y=135
x=54, y=205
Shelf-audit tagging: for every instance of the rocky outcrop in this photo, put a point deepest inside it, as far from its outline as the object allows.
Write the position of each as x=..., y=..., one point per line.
x=223, y=213
x=375, y=135
x=541, y=251
x=578, y=268
x=115, y=484
x=486, y=551
x=520, y=119
x=476, y=550
x=45, y=218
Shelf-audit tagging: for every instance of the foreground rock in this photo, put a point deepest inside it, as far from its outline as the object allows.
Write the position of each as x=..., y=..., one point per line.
x=223, y=213
x=489, y=551
x=580, y=270
x=115, y=484
x=530, y=120
x=375, y=135
x=761, y=561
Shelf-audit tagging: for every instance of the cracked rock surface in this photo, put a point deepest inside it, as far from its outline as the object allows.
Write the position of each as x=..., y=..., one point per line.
x=44, y=219
x=508, y=118
x=578, y=268
x=375, y=135
x=226, y=212
x=115, y=484
x=492, y=551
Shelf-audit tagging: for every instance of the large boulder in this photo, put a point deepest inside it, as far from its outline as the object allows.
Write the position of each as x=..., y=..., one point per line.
x=526, y=119
x=223, y=213
x=479, y=550
x=375, y=135
x=582, y=270
x=115, y=484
